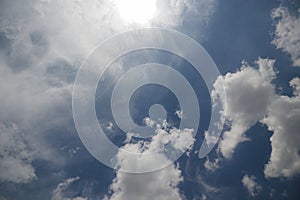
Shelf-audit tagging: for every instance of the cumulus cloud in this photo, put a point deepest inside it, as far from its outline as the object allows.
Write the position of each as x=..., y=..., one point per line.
x=248, y=94
x=15, y=165
x=58, y=193
x=160, y=184
x=250, y=98
x=251, y=185
x=283, y=119
x=287, y=33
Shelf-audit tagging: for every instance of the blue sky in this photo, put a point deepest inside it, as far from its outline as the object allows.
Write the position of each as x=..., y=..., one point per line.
x=256, y=47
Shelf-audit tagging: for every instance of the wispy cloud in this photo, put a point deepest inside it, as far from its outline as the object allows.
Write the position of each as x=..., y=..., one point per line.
x=251, y=185
x=58, y=193
x=16, y=156
x=287, y=33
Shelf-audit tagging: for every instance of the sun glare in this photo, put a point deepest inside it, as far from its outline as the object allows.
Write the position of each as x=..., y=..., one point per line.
x=136, y=11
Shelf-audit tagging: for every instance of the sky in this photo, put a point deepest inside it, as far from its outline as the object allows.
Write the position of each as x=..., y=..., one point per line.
x=46, y=148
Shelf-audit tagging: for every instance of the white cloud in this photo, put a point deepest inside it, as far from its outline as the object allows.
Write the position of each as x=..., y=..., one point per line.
x=40, y=36
x=32, y=91
x=160, y=184
x=283, y=119
x=44, y=50
x=179, y=114
x=110, y=126
x=251, y=99
x=149, y=122
x=248, y=94
x=207, y=191
x=203, y=197
x=173, y=12
x=210, y=138
x=15, y=165
x=287, y=33
x=37, y=67
x=251, y=185
x=58, y=193
x=212, y=165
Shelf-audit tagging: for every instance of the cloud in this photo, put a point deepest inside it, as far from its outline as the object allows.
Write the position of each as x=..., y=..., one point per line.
x=43, y=51
x=58, y=193
x=283, y=119
x=248, y=94
x=15, y=165
x=45, y=47
x=174, y=12
x=179, y=114
x=212, y=165
x=195, y=15
x=251, y=185
x=160, y=184
x=110, y=126
x=194, y=173
x=287, y=33
x=250, y=98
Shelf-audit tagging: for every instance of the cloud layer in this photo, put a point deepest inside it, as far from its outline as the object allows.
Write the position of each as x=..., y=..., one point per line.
x=15, y=165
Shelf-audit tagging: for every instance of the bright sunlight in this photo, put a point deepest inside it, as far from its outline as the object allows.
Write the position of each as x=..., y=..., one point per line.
x=136, y=11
